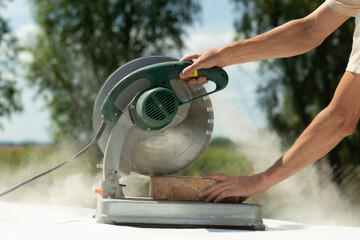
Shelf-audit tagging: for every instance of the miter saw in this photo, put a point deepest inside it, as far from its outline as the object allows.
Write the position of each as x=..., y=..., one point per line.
x=145, y=121
x=153, y=124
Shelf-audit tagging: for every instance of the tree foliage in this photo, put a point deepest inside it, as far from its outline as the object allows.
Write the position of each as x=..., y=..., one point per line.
x=9, y=94
x=295, y=89
x=82, y=42
x=223, y=142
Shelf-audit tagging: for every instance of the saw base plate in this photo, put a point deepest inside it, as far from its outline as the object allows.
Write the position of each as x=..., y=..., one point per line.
x=146, y=212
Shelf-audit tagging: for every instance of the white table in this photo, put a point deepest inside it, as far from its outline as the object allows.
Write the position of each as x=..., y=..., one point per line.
x=25, y=221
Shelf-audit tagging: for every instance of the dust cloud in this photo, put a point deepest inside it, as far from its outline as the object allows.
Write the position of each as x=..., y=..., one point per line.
x=310, y=196
x=70, y=185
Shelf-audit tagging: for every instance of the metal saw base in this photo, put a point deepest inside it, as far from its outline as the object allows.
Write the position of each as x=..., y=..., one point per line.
x=143, y=212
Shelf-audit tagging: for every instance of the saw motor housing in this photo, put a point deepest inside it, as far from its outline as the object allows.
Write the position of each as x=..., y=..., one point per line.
x=155, y=108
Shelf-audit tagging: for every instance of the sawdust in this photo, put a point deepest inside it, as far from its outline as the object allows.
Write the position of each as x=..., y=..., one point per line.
x=71, y=185
x=305, y=197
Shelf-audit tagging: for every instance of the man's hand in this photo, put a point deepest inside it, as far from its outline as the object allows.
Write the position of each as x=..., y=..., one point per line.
x=239, y=186
x=204, y=59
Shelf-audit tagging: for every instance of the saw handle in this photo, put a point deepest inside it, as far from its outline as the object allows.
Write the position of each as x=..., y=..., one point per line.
x=214, y=74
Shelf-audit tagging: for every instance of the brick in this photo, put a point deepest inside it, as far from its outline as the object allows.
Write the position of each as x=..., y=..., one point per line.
x=181, y=188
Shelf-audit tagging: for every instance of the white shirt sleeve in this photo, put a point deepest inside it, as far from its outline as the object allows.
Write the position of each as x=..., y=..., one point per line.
x=354, y=60
x=345, y=7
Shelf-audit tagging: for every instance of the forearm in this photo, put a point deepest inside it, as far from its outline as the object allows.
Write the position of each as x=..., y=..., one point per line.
x=329, y=127
x=292, y=38
x=322, y=135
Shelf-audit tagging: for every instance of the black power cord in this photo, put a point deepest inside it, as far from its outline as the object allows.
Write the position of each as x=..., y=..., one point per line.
x=95, y=139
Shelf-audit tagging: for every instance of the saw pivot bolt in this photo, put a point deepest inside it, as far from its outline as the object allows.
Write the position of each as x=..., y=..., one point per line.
x=112, y=180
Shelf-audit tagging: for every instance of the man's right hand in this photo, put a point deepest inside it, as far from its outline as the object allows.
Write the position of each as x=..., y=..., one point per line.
x=204, y=59
x=239, y=186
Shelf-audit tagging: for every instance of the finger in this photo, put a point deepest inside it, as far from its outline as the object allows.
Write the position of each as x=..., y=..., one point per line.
x=218, y=177
x=193, y=81
x=190, y=82
x=211, y=189
x=191, y=56
x=186, y=72
x=201, y=80
x=189, y=70
x=188, y=57
x=216, y=193
x=229, y=193
x=224, y=194
x=214, y=190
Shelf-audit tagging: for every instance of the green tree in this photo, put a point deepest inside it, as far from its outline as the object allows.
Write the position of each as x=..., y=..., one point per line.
x=9, y=94
x=295, y=89
x=82, y=42
x=223, y=142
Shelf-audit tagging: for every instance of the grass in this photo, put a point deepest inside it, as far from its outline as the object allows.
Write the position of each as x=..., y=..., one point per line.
x=15, y=156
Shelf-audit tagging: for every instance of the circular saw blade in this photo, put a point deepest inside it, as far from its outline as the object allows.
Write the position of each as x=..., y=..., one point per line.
x=112, y=80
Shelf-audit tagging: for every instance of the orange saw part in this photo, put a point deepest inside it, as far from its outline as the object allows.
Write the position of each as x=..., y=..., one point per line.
x=98, y=191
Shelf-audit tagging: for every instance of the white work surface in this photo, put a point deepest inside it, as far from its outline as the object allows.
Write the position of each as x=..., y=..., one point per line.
x=24, y=221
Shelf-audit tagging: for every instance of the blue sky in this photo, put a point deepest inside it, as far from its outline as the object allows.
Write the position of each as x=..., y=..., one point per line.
x=236, y=111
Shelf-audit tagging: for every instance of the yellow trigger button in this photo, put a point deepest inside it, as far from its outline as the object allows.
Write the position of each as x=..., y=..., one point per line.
x=194, y=74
